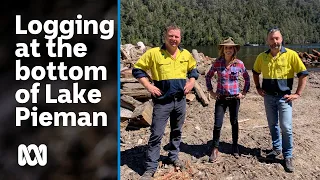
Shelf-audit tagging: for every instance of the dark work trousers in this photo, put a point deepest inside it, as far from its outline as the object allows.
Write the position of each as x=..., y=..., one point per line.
x=176, y=110
x=220, y=109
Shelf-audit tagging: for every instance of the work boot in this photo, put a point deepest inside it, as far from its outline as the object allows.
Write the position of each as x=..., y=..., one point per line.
x=147, y=175
x=288, y=165
x=273, y=154
x=214, y=155
x=235, y=151
x=178, y=164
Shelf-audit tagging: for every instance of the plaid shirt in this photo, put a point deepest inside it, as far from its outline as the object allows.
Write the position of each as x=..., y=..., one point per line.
x=228, y=79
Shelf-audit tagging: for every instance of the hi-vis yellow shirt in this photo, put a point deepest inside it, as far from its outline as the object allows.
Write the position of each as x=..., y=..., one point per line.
x=169, y=74
x=165, y=67
x=278, y=72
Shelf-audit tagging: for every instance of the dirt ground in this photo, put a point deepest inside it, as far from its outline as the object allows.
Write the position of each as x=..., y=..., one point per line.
x=254, y=140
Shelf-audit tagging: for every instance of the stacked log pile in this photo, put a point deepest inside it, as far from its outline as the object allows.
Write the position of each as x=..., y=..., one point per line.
x=131, y=53
x=136, y=104
x=74, y=152
x=310, y=59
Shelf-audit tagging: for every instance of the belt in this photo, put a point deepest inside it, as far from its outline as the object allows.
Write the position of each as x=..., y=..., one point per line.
x=228, y=97
x=281, y=93
x=176, y=97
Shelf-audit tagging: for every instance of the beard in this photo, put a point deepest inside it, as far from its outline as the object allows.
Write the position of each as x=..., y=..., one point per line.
x=275, y=46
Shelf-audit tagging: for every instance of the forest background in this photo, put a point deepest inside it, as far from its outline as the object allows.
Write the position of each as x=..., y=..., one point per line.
x=207, y=22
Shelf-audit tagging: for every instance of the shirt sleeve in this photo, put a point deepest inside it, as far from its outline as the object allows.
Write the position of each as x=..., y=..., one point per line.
x=192, y=68
x=142, y=65
x=209, y=76
x=257, y=65
x=298, y=65
x=246, y=78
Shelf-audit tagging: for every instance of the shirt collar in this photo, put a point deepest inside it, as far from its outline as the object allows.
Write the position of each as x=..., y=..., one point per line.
x=282, y=50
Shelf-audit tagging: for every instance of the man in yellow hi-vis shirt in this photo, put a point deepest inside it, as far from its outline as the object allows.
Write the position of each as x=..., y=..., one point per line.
x=170, y=65
x=278, y=65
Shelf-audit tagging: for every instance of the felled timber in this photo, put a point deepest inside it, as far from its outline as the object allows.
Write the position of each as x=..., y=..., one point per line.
x=133, y=86
x=129, y=102
x=200, y=93
x=190, y=97
x=196, y=56
x=124, y=54
x=305, y=54
x=315, y=52
x=128, y=80
x=125, y=114
x=126, y=73
x=137, y=94
x=313, y=57
x=143, y=114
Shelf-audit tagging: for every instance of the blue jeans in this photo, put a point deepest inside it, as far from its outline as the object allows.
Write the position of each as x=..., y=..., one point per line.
x=278, y=110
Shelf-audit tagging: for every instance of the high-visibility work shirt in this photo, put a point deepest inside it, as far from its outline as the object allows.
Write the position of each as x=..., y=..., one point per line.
x=168, y=74
x=278, y=71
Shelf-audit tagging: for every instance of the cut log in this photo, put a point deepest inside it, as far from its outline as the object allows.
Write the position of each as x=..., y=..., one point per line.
x=129, y=102
x=128, y=80
x=124, y=54
x=244, y=120
x=196, y=56
x=201, y=69
x=313, y=57
x=130, y=61
x=143, y=113
x=141, y=46
x=132, y=80
x=307, y=55
x=133, y=86
x=190, y=97
x=140, y=94
x=200, y=93
x=125, y=114
x=126, y=73
x=135, y=52
x=300, y=54
x=122, y=67
x=208, y=69
x=315, y=52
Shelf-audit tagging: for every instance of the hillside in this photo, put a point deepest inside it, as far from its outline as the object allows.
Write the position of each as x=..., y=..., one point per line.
x=206, y=22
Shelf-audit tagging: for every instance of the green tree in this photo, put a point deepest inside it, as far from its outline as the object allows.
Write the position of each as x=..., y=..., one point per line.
x=207, y=22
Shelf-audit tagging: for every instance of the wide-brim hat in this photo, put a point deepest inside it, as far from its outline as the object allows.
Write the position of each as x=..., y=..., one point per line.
x=229, y=42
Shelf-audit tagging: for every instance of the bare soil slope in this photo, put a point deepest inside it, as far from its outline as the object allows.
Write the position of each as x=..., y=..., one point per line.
x=254, y=140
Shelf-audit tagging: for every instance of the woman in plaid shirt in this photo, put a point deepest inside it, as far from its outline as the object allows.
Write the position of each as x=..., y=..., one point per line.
x=228, y=94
